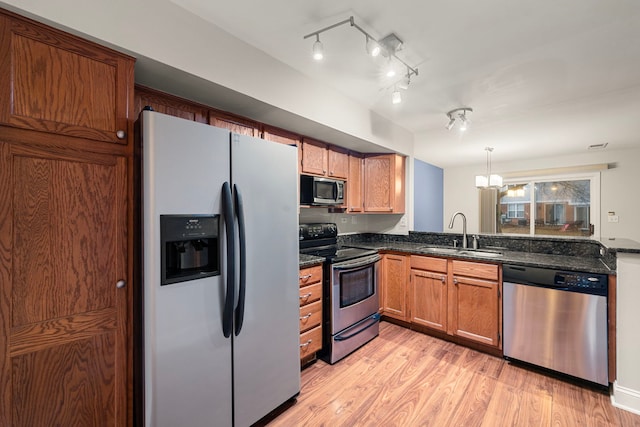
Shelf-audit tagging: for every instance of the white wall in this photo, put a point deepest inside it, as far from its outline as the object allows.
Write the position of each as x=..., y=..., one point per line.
x=618, y=192
x=626, y=390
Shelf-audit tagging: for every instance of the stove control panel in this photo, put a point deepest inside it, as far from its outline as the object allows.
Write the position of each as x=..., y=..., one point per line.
x=320, y=230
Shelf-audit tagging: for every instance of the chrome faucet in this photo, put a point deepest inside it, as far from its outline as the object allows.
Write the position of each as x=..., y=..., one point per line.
x=464, y=227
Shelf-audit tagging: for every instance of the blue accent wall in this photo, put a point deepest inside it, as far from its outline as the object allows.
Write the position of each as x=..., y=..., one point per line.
x=428, y=204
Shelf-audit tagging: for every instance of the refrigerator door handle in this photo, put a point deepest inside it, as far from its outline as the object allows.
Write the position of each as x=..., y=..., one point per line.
x=229, y=221
x=239, y=311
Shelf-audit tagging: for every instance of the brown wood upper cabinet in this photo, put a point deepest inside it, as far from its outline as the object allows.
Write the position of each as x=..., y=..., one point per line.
x=62, y=84
x=384, y=184
x=168, y=104
x=323, y=159
x=282, y=136
x=234, y=123
x=354, y=184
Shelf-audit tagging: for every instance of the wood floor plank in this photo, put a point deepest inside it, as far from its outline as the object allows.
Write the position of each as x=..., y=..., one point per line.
x=404, y=378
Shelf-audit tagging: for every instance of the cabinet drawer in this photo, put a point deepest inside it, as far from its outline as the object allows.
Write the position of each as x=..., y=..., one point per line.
x=310, y=275
x=310, y=341
x=429, y=263
x=310, y=315
x=311, y=293
x=475, y=269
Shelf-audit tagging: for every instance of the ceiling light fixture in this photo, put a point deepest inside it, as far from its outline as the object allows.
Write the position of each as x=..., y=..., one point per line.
x=396, y=97
x=489, y=180
x=318, y=49
x=373, y=47
x=459, y=114
x=387, y=47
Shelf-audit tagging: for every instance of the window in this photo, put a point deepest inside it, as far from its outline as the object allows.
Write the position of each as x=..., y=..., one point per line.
x=515, y=210
x=558, y=206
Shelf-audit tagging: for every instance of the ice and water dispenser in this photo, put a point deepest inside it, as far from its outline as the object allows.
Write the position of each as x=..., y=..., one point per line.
x=189, y=247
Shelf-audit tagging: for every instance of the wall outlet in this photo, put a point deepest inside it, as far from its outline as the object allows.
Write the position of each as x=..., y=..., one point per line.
x=343, y=220
x=354, y=220
x=612, y=218
x=403, y=221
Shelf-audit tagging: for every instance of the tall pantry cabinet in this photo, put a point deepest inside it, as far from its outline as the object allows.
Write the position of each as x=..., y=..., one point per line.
x=65, y=220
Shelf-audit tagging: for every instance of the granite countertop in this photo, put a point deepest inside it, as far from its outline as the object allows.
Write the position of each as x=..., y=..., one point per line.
x=309, y=260
x=560, y=262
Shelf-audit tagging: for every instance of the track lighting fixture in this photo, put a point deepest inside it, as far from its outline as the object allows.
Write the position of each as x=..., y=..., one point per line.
x=387, y=47
x=318, y=49
x=459, y=114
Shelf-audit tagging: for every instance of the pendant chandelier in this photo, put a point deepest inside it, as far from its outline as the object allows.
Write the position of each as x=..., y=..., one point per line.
x=489, y=180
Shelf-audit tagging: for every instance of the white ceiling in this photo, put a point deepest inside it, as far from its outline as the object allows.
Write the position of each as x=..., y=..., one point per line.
x=544, y=78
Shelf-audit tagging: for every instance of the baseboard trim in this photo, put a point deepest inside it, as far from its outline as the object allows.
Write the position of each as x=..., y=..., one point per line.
x=625, y=398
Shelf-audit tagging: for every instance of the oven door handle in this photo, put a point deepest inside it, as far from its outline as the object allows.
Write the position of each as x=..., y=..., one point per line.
x=359, y=262
x=375, y=319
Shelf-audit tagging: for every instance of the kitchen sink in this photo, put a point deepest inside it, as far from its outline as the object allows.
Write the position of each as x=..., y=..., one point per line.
x=460, y=251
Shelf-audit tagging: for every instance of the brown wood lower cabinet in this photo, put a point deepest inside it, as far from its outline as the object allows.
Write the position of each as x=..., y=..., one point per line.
x=310, y=312
x=457, y=298
x=63, y=296
x=428, y=285
x=475, y=302
x=394, y=292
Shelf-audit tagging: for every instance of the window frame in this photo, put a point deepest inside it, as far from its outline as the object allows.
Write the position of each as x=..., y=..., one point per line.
x=594, y=195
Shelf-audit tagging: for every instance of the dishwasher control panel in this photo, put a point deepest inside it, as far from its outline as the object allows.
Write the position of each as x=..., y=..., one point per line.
x=574, y=281
x=584, y=281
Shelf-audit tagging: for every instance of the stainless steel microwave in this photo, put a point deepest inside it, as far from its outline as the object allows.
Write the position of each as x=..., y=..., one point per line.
x=317, y=191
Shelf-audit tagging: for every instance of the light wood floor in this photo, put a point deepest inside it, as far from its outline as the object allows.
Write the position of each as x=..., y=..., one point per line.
x=405, y=378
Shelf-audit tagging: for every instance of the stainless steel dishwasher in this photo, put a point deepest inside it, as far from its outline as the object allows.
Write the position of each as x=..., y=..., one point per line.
x=557, y=320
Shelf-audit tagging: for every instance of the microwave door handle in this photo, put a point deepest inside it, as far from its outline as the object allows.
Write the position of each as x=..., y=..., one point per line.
x=335, y=190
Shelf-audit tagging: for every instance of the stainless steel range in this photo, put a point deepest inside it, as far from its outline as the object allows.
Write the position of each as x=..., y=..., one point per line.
x=351, y=298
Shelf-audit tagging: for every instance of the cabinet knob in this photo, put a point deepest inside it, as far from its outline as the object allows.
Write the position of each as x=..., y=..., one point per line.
x=121, y=284
x=121, y=134
x=455, y=281
x=442, y=279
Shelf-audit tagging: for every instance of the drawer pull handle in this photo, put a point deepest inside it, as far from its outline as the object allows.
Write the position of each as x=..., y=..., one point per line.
x=306, y=344
x=306, y=317
x=306, y=296
x=306, y=276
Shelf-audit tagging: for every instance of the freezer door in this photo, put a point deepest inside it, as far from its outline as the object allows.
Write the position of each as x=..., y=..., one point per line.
x=187, y=358
x=266, y=350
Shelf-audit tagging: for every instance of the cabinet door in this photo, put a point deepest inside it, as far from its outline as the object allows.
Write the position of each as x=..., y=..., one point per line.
x=394, y=282
x=61, y=84
x=354, y=184
x=280, y=135
x=429, y=299
x=314, y=157
x=384, y=183
x=168, y=104
x=63, y=314
x=338, y=161
x=475, y=310
x=233, y=123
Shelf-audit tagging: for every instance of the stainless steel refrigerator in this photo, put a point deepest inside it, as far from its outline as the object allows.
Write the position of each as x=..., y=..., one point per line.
x=220, y=274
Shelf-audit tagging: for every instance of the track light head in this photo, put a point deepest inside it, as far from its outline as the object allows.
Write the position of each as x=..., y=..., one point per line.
x=396, y=97
x=373, y=48
x=318, y=49
x=452, y=121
